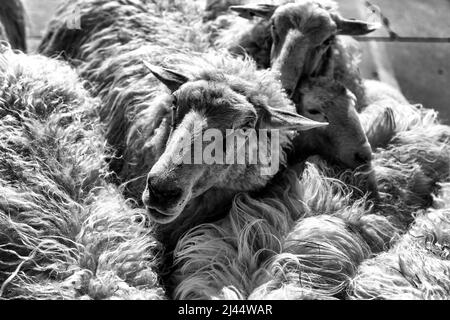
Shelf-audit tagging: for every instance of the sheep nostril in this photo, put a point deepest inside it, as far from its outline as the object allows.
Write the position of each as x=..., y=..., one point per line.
x=362, y=158
x=171, y=194
x=146, y=197
x=163, y=195
x=151, y=191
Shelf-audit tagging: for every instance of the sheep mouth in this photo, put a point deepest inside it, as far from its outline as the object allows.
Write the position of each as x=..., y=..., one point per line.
x=160, y=217
x=165, y=213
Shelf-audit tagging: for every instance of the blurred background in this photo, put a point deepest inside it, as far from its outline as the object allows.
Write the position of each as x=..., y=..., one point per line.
x=420, y=70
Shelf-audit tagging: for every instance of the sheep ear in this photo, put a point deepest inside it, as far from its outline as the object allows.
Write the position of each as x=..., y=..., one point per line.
x=285, y=120
x=255, y=10
x=352, y=27
x=171, y=79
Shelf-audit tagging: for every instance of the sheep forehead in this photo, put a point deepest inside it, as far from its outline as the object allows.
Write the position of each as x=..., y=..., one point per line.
x=329, y=5
x=330, y=97
x=304, y=13
x=215, y=100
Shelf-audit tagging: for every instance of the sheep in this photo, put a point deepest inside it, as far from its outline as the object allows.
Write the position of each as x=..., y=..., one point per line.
x=303, y=238
x=384, y=112
x=353, y=152
x=137, y=113
x=317, y=47
x=110, y=58
x=113, y=76
x=257, y=39
x=141, y=150
x=175, y=193
x=112, y=62
x=344, y=140
x=66, y=233
x=289, y=58
x=12, y=24
x=416, y=268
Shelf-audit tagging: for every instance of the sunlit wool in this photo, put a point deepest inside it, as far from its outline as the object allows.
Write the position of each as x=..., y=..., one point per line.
x=65, y=234
x=416, y=268
x=248, y=254
x=410, y=169
x=303, y=239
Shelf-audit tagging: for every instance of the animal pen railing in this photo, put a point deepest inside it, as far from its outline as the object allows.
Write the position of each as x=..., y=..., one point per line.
x=391, y=54
x=373, y=14
x=376, y=15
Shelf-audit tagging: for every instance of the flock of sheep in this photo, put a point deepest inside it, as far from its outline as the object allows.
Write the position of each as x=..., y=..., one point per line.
x=92, y=205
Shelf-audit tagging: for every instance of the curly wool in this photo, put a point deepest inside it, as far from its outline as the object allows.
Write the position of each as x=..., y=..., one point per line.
x=404, y=188
x=65, y=234
x=120, y=26
x=12, y=24
x=257, y=253
x=386, y=117
x=244, y=255
x=410, y=169
x=411, y=160
x=416, y=268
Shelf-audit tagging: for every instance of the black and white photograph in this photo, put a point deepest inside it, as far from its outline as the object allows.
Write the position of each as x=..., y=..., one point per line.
x=236, y=152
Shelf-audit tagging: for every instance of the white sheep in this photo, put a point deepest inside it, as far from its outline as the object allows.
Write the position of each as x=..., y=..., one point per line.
x=65, y=232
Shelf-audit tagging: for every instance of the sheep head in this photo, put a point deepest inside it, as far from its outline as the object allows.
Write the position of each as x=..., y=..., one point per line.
x=344, y=139
x=302, y=33
x=205, y=109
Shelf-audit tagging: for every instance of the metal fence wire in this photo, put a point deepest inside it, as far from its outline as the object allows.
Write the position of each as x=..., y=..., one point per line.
x=381, y=18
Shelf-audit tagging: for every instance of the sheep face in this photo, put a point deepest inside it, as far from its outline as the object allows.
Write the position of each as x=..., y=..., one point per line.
x=202, y=106
x=324, y=99
x=302, y=33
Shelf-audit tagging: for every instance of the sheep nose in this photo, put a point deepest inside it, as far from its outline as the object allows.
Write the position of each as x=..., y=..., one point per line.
x=289, y=92
x=161, y=194
x=363, y=156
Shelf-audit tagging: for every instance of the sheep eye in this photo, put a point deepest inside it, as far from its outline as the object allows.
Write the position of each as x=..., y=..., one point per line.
x=174, y=112
x=247, y=126
x=174, y=101
x=274, y=28
x=328, y=41
x=314, y=112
